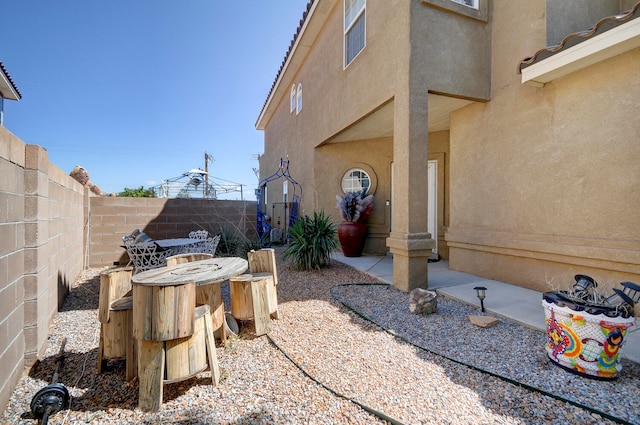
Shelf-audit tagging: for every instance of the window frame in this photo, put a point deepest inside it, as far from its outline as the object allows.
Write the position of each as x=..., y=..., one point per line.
x=299, y=99
x=475, y=4
x=292, y=99
x=347, y=27
x=360, y=169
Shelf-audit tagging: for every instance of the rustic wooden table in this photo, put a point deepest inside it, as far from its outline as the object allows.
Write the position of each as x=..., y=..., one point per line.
x=164, y=303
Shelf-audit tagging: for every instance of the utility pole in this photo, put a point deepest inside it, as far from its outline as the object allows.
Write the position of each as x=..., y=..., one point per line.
x=207, y=157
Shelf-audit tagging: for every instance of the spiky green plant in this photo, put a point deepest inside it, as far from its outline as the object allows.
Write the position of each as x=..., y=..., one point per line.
x=311, y=241
x=230, y=241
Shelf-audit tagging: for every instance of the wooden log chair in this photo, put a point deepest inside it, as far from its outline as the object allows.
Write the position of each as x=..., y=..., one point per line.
x=264, y=261
x=254, y=296
x=115, y=313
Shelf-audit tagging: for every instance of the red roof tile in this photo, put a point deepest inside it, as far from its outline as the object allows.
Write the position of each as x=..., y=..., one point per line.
x=290, y=50
x=575, y=38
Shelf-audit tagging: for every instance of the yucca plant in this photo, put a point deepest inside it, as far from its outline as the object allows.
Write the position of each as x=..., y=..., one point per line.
x=311, y=241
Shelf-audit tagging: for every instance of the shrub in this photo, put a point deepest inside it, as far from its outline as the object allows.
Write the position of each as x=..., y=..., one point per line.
x=311, y=241
x=230, y=241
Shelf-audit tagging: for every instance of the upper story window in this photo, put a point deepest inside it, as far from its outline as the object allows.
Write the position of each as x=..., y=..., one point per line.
x=293, y=98
x=470, y=3
x=299, y=99
x=354, y=28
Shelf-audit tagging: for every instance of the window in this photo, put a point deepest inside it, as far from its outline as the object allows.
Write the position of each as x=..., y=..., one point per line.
x=299, y=99
x=354, y=28
x=293, y=98
x=356, y=180
x=470, y=3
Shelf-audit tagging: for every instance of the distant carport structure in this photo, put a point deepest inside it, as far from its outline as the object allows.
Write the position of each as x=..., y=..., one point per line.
x=8, y=90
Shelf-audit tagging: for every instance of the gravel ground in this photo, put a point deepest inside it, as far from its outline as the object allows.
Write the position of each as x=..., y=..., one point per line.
x=439, y=369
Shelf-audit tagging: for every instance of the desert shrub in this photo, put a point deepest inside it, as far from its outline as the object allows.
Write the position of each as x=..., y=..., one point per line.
x=311, y=241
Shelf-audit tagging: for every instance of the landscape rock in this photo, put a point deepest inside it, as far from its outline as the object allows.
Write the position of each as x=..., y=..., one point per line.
x=423, y=301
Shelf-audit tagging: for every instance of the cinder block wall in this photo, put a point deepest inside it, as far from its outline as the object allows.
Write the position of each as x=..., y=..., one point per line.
x=51, y=229
x=41, y=246
x=112, y=218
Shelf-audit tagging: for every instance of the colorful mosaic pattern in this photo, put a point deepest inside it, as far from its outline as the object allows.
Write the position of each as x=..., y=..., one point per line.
x=585, y=343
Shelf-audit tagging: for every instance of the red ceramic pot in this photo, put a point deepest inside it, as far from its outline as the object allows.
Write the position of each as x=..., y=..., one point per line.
x=352, y=236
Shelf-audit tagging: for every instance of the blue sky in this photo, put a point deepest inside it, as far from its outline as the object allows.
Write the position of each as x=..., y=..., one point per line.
x=136, y=91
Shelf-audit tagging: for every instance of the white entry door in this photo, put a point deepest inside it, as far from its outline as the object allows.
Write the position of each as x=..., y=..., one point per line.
x=432, y=202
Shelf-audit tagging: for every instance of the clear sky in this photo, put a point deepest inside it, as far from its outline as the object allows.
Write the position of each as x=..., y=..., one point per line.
x=136, y=91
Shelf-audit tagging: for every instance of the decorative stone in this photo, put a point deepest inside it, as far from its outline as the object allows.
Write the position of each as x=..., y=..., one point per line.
x=483, y=321
x=80, y=174
x=423, y=301
x=95, y=189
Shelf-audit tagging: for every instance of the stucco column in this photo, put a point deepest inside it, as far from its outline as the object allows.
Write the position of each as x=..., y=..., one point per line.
x=409, y=241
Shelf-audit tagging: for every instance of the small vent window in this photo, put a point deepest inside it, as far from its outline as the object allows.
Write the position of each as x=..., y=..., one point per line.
x=293, y=98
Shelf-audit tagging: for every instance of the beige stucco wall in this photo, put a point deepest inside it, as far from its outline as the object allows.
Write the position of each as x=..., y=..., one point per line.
x=451, y=51
x=544, y=181
x=334, y=160
x=334, y=99
x=390, y=69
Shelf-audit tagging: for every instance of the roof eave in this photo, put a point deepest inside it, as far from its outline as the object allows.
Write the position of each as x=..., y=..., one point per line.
x=300, y=47
x=8, y=90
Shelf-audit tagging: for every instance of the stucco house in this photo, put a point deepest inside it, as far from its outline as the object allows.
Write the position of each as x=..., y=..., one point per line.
x=511, y=159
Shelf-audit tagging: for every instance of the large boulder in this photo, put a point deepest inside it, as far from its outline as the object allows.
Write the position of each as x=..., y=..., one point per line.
x=81, y=175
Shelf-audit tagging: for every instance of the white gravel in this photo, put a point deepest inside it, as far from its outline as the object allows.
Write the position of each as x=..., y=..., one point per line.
x=443, y=383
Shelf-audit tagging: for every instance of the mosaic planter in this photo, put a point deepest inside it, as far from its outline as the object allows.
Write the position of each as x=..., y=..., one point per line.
x=584, y=339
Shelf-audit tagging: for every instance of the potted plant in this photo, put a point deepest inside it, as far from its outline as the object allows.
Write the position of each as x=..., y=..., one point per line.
x=355, y=208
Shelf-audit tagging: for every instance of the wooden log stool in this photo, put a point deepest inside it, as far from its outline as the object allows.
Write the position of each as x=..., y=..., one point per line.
x=115, y=313
x=186, y=357
x=250, y=299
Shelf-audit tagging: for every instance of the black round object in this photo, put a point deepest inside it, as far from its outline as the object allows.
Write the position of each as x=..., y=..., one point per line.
x=50, y=399
x=561, y=299
x=580, y=277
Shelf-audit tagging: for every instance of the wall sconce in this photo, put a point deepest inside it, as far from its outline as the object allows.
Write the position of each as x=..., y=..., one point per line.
x=480, y=292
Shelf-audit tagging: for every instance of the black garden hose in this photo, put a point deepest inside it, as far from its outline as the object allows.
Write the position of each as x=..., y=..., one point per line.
x=486, y=372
